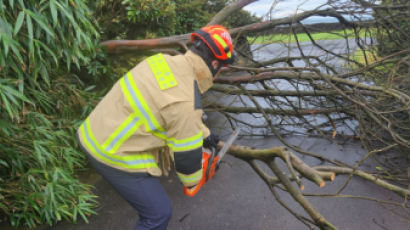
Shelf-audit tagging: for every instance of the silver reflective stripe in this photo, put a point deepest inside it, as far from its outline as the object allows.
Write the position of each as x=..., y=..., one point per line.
x=96, y=149
x=122, y=133
x=138, y=103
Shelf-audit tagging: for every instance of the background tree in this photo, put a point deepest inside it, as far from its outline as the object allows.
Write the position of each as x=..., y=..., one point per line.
x=124, y=19
x=393, y=25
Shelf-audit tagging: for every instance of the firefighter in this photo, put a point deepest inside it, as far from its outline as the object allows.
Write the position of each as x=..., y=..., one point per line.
x=154, y=113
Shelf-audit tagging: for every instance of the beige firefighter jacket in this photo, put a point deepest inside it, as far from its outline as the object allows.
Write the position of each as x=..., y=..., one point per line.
x=143, y=116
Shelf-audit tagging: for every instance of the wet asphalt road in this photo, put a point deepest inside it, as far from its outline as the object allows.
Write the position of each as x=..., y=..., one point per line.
x=238, y=199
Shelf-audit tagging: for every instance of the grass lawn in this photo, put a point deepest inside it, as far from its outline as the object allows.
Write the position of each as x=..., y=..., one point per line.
x=302, y=37
x=359, y=56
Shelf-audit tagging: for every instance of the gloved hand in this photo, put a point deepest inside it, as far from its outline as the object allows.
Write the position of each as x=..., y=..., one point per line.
x=209, y=166
x=211, y=142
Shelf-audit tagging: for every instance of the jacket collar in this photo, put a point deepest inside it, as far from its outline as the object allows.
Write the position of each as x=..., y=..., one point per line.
x=202, y=73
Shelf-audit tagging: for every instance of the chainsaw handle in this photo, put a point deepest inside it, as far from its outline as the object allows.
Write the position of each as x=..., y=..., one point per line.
x=207, y=174
x=192, y=191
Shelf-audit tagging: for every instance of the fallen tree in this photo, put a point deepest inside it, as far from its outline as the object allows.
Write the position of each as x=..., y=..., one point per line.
x=356, y=92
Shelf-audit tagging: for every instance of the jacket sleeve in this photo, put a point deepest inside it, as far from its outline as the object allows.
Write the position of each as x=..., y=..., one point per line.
x=185, y=132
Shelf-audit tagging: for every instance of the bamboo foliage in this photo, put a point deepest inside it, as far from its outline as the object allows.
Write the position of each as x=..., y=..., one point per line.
x=40, y=103
x=38, y=36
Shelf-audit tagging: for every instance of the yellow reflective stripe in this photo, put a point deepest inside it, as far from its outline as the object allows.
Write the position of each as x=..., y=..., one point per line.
x=228, y=54
x=185, y=144
x=220, y=40
x=138, y=104
x=162, y=135
x=138, y=161
x=162, y=72
x=122, y=133
x=191, y=177
x=223, y=43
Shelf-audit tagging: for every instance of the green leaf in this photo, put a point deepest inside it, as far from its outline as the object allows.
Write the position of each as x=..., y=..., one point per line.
x=45, y=47
x=57, y=214
x=11, y=2
x=44, y=75
x=7, y=105
x=379, y=168
x=54, y=12
x=19, y=22
x=4, y=163
x=17, y=53
x=6, y=42
x=30, y=33
x=40, y=21
x=83, y=216
x=21, y=2
x=90, y=88
x=5, y=127
x=75, y=212
x=4, y=208
x=8, y=89
x=68, y=14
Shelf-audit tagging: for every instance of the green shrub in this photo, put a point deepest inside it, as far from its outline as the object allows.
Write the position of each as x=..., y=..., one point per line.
x=393, y=26
x=42, y=45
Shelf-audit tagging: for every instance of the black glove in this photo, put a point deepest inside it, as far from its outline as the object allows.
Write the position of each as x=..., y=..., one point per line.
x=211, y=142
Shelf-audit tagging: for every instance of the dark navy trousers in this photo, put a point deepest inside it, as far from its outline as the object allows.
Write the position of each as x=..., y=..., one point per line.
x=142, y=191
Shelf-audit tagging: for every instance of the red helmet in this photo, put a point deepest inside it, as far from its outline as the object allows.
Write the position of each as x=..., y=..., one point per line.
x=218, y=40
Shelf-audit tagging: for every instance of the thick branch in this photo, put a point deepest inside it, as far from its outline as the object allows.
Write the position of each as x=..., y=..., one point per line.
x=293, y=75
x=118, y=46
x=247, y=153
x=298, y=196
x=288, y=112
x=228, y=10
x=283, y=93
x=261, y=26
x=341, y=170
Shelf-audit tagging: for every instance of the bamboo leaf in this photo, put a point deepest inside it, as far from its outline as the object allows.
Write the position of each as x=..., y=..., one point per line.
x=89, y=88
x=5, y=127
x=2, y=58
x=14, y=92
x=57, y=214
x=4, y=208
x=75, y=212
x=54, y=12
x=11, y=2
x=67, y=14
x=44, y=74
x=30, y=33
x=40, y=22
x=17, y=53
x=21, y=2
x=4, y=163
x=6, y=42
x=83, y=216
x=19, y=22
x=7, y=105
x=45, y=47
x=66, y=213
x=12, y=99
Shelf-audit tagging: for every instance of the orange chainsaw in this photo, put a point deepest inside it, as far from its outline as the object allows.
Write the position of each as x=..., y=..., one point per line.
x=210, y=163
